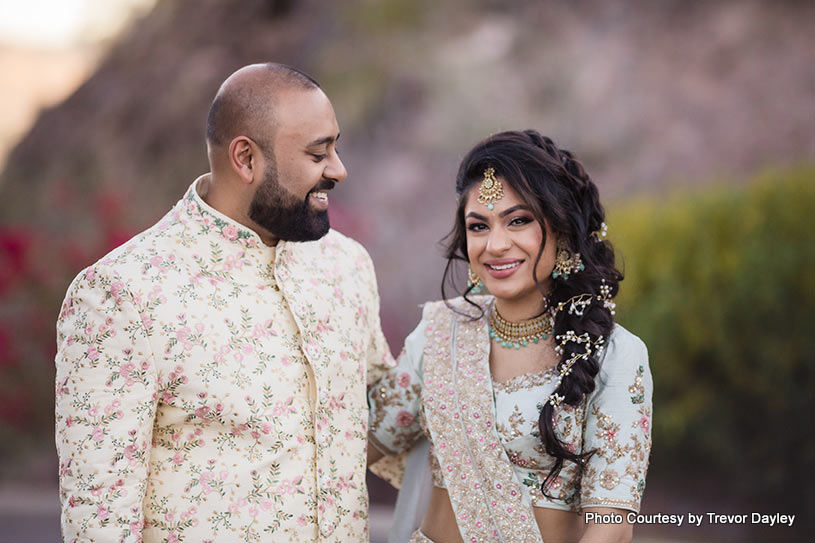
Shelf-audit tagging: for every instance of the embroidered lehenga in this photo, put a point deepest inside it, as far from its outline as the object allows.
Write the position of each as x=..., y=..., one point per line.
x=485, y=447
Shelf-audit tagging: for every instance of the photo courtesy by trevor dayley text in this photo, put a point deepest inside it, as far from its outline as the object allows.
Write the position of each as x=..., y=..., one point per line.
x=691, y=519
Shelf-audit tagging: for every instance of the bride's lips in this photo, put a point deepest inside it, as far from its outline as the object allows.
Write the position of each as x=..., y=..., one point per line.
x=503, y=268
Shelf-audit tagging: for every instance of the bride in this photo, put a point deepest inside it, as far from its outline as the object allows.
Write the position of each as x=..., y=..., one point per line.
x=536, y=405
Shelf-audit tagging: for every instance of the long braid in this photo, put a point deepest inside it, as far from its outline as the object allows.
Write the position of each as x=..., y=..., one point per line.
x=595, y=320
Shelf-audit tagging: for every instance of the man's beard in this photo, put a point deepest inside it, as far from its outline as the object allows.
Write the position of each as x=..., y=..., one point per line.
x=280, y=212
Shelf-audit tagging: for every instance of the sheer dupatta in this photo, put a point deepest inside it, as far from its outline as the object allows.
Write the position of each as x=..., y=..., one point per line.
x=460, y=412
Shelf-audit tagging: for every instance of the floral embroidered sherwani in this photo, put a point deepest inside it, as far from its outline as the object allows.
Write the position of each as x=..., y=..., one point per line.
x=212, y=388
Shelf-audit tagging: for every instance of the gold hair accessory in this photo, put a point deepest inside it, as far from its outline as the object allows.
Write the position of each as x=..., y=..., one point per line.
x=490, y=190
x=577, y=305
x=592, y=346
x=601, y=233
x=519, y=334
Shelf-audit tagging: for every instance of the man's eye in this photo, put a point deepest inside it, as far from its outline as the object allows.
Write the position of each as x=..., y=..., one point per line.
x=318, y=158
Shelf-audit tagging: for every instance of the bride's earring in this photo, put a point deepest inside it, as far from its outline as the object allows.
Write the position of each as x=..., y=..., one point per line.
x=566, y=261
x=474, y=280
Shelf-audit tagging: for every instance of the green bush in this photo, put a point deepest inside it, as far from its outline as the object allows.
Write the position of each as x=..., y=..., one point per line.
x=721, y=287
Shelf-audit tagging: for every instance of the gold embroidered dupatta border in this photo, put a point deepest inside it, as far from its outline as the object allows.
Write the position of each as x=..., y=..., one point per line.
x=458, y=402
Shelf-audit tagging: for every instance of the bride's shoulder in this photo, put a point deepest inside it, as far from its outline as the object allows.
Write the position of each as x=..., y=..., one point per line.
x=625, y=354
x=472, y=307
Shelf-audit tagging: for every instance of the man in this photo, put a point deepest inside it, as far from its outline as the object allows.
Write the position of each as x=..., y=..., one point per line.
x=211, y=372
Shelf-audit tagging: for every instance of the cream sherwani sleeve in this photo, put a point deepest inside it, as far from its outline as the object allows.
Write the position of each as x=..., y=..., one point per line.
x=378, y=355
x=105, y=406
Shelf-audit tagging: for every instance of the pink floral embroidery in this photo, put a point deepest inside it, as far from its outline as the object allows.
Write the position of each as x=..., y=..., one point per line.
x=230, y=232
x=177, y=376
x=403, y=418
x=644, y=424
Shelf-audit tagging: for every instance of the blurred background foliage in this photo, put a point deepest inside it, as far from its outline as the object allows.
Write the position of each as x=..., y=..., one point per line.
x=721, y=286
x=674, y=107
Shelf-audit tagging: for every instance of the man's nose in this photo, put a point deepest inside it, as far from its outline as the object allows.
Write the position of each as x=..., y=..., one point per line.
x=335, y=169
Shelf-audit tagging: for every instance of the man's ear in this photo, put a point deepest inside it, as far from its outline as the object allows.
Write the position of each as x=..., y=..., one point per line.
x=241, y=154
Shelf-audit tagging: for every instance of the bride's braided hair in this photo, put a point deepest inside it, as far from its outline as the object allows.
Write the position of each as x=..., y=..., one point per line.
x=553, y=183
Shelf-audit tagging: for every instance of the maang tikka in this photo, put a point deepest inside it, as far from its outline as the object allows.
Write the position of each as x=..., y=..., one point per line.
x=490, y=190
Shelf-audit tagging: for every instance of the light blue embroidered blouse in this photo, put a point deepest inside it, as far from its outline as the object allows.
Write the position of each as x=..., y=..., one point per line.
x=614, y=420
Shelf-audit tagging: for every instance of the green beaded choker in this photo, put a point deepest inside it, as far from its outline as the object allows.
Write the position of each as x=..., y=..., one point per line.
x=519, y=334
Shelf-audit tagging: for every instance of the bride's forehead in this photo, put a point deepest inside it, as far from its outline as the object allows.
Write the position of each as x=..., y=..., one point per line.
x=509, y=199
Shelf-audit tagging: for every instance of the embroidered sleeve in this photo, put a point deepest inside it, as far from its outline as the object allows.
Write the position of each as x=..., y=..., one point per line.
x=618, y=426
x=378, y=356
x=105, y=406
x=394, y=400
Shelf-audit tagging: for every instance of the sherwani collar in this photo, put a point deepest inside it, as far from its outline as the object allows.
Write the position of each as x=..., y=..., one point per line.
x=226, y=235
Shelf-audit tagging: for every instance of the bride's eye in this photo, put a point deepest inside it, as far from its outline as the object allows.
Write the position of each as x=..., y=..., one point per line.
x=520, y=221
x=476, y=227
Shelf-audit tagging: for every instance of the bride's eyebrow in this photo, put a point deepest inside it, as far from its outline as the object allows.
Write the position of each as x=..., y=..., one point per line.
x=475, y=215
x=519, y=207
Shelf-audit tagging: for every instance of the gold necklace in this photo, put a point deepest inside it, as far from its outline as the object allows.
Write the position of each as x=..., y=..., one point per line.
x=519, y=334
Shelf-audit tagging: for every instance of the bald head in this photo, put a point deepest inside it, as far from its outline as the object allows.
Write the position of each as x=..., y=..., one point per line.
x=246, y=102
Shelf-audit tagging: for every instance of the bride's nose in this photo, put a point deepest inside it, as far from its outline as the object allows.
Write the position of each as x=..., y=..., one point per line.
x=498, y=241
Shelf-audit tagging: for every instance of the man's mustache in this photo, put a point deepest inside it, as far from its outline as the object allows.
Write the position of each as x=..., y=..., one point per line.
x=325, y=184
